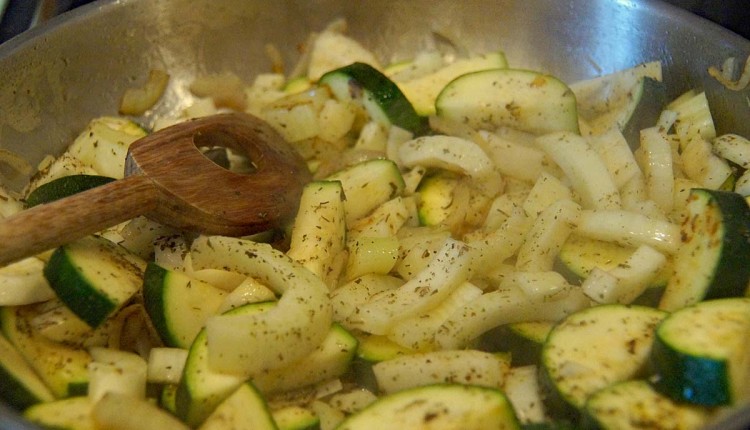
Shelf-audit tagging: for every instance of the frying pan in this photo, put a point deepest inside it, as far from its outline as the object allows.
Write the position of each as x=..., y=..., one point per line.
x=56, y=77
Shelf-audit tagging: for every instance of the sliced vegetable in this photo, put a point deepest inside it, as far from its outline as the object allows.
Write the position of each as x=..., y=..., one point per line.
x=701, y=353
x=594, y=348
x=64, y=187
x=201, y=388
x=712, y=261
x=367, y=185
x=245, y=409
x=21, y=386
x=330, y=360
x=436, y=198
x=63, y=369
x=103, y=145
x=636, y=405
x=611, y=100
x=178, y=304
x=23, y=283
x=380, y=96
x=275, y=338
x=586, y=170
x=94, y=277
x=438, y=406
x=521, y=99
x=579, y=255
x=458, y=367
x=73, y=413
x=423, y=90
x=319, y=231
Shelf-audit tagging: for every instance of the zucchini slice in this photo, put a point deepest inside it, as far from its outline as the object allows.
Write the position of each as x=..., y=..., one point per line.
x=580, y=255
x=701, y=354
x=21, y=386
x=380, y=96
x=64, y=187
x=636, y=405
x=94, y=277
x=713, y=259
x=201, y=389
x=178, y=304
x=594, y=348
x=367, y=185
x=423, y=90
x=73, y=413
x=245, y=409
x=296, y=418
x=521, y=99
x=319, y=231
x=436, y=197
x=62, y=369
x=445, y=406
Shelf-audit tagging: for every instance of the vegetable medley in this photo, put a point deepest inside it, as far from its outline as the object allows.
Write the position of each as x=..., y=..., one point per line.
x=481, y=246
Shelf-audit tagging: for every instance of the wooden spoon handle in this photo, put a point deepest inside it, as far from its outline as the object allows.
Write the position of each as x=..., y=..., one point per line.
x=52, y=224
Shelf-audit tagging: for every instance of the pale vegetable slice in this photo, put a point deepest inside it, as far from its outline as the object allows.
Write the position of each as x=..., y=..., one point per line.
x=734, y=148
x=594, y=348
x=514, y=159
x=121, y=412
x=332, y=50
x=450, y=267
x=629, y=229
x=523, y=390
x=617, y=155
x=628, y=280
x=547, y=236
x=275, y=338
x=165, y=365
x=657, y=167
x=319, y=230
x=610, y=100
x=245, y=409
x=446, y=152
x=443, y=406
x=136, y=101
x=521, y=99
x=423, y=90
x=507, y=306
x=115, y=371
x=418, y=332
x=23, y=283
x=104, y=143
x=460, y=366
x=584, y=168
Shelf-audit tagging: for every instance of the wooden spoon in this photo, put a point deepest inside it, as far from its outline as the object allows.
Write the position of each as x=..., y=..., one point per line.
x=169, y=180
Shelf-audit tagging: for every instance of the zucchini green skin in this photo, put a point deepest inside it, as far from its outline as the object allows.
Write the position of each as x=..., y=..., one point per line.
x=436, y=192
x=713, y=260
x=385, y=94
x=73, y=413
x=523, y=341
x=94, y=277
x=64, y=187
x=700, y=354
x=21, y=387
x=62, y=369
x=520, y=99
x=178, y=305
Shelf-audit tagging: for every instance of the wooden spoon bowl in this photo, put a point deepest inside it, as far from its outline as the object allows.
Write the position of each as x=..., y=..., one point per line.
x=169, y=180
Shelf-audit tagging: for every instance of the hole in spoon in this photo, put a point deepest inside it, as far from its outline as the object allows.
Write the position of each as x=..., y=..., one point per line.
x=221, y=149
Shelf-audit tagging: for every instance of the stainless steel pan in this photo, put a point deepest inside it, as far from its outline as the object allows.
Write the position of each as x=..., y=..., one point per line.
x=54, y=78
